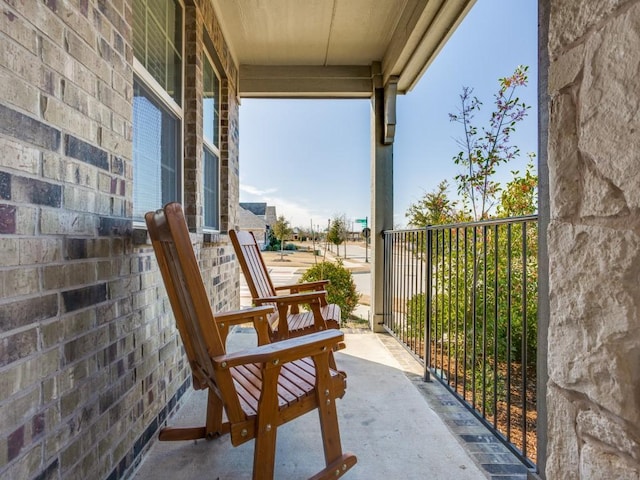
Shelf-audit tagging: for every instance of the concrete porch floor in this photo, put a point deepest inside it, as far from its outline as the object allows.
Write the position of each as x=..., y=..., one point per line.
x=397, y=425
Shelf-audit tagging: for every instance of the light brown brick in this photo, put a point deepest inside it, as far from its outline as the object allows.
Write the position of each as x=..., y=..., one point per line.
x=9, y=251
x=21, y=281
x=60, y=222
x=39, y=250
x=26, y=220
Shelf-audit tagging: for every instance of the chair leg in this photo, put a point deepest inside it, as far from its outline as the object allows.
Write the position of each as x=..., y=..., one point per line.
x=327, y=408
x=337, y=463
x=214, y=415
x=264, y=455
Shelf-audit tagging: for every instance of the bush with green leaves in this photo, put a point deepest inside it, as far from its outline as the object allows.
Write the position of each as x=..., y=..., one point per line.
x=341, y=289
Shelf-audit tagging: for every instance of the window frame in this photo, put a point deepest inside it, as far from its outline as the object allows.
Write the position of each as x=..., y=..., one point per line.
x=207, y=145
x=146, y=79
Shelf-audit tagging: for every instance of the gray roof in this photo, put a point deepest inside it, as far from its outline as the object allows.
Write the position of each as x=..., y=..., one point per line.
x=250, y=221
x=257, y=208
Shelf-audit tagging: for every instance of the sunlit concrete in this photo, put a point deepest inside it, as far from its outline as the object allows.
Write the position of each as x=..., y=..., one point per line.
x=384, y=420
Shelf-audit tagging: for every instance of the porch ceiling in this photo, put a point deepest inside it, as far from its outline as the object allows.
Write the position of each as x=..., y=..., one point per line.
x=334, y=48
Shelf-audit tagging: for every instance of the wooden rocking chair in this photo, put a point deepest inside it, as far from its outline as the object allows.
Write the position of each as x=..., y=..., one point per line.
x=260, y=388
x=287, y=321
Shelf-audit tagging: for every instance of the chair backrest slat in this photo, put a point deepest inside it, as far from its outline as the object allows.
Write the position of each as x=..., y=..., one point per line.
x=183, y=281
x=252, y=264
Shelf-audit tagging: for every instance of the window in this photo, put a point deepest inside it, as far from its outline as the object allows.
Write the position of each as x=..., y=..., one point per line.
x=156, y=149
x=211, y=134
x=157, y=42
x=157, y=98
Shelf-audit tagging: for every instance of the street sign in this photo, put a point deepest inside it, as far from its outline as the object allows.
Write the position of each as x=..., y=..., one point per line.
x=361, y=220
x=366, y=232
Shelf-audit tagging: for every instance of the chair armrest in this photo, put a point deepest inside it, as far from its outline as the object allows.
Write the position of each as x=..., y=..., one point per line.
x=299, y=287
x=282, y=352
x=255, y=315
x=244, y=315
x=293, y=299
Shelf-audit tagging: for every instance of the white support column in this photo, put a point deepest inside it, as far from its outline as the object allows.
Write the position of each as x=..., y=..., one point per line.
x=382, y=110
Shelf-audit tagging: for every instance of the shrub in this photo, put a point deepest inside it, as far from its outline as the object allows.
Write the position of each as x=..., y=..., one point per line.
x=341, y=289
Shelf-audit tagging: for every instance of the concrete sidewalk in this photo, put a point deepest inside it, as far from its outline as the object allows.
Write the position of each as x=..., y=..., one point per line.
x=384, y=419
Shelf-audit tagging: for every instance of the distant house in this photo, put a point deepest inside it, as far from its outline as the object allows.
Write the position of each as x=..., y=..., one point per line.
x=257, y=217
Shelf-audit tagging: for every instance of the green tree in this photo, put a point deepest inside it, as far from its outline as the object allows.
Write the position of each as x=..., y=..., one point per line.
x=341, y=289
x=484, y=149
x=337, y=232
x=434, y=208
x=281, y=230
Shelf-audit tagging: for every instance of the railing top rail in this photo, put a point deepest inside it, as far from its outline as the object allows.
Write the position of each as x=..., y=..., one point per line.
x=410, y=230
x=480, y=223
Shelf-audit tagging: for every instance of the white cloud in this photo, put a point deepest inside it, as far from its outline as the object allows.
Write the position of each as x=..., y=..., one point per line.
x=256, y=191
x=297, y=214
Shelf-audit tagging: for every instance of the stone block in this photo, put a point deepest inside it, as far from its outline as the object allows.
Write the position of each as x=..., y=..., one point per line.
x=598, y=463
x=603, y=428
x=609, y=136
x=563, y=458
x=593, y=331
x=600, y=198
x=571, y=21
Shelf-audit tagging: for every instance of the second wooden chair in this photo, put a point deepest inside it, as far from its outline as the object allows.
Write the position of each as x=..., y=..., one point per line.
x=288, y=320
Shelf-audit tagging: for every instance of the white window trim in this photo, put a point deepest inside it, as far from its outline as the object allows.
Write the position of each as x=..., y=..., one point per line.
x=210, y=146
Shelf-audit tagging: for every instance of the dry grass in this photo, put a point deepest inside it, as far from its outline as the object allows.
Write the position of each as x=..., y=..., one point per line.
x=291, y=258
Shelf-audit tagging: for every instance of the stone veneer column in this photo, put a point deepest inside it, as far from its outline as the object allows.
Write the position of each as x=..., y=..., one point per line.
x=594, y=240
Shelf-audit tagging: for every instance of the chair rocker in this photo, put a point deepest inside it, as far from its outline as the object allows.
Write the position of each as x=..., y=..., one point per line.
x=260, y=388
x=288, y=320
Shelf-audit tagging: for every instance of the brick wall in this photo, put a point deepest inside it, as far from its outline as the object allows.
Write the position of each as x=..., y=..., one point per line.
x=90, y=362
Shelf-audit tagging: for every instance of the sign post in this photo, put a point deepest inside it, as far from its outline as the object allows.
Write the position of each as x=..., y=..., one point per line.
x=366, y=233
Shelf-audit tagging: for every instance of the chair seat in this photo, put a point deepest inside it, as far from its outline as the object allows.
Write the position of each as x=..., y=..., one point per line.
x=303, y=322
x=296, y=381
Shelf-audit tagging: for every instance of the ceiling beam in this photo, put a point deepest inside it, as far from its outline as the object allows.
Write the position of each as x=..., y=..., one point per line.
x=305, y=81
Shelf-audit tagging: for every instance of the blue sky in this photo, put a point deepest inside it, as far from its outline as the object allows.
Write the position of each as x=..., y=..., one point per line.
x=311, y=158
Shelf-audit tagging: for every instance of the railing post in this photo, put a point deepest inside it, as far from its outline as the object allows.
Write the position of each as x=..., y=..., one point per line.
x=427, y=306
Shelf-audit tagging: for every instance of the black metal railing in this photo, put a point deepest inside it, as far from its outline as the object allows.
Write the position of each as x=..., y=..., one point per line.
x=463, y=299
